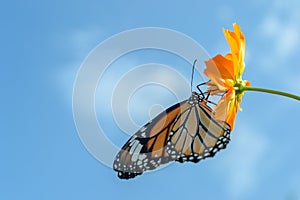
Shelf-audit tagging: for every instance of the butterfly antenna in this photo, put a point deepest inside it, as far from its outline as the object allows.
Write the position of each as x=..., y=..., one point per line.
x=193, y=71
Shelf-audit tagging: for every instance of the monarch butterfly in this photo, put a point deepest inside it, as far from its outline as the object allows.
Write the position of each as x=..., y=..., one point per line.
x=186, y=131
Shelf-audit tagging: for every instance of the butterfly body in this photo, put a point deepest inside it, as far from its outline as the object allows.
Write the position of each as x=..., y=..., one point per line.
x=186, y=131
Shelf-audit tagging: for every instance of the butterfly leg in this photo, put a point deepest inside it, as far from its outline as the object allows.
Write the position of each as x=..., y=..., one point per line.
x=202, y=93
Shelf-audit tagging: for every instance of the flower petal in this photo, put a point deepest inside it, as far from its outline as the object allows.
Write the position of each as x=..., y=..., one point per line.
x=226, y=110
x=236, y=41
x=220, y=111
x=231, y=114
x=218, y=69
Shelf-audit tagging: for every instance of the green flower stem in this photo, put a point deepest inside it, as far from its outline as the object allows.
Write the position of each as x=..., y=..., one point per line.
x=247, y=88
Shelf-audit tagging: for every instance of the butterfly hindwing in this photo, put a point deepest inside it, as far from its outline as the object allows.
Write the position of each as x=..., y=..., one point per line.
x=199, y=136
x=195, y=134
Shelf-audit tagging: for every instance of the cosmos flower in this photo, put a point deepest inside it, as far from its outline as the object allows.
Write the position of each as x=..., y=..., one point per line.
x=225, y=74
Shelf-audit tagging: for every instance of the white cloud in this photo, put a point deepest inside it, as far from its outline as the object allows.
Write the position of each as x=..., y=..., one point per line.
x=288, y=41
x=130, y=85
x=77, y=43
x=84, y=40
x=270, y=26
x=278, y=42
x=80, y=43
x=292, y=82
x=65, y=82
x=278, y=35
x=225, y=13
x=284, y=36
x=247, y=148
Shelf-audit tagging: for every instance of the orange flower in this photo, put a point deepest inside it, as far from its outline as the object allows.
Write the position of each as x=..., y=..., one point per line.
x=225, y=73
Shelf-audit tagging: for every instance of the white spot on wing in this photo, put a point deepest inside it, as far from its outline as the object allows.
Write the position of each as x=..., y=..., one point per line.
x=143, y=129
x=143, y=134
x=133, y=146
x=132, y=139
x=142, y=156
x=136, y=153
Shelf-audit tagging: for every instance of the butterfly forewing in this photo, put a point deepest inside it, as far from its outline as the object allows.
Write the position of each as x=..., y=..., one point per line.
x=186, y=131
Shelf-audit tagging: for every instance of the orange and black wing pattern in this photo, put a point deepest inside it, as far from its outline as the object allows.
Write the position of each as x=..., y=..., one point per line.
x=186, y=131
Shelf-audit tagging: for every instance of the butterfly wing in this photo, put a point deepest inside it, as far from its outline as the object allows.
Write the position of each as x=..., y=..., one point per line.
x=184, y=132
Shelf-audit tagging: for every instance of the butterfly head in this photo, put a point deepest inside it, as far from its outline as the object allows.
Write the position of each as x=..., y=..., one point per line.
x=195, y=99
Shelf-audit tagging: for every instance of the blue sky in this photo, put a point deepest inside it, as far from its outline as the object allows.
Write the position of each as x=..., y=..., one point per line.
x=42, y=47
